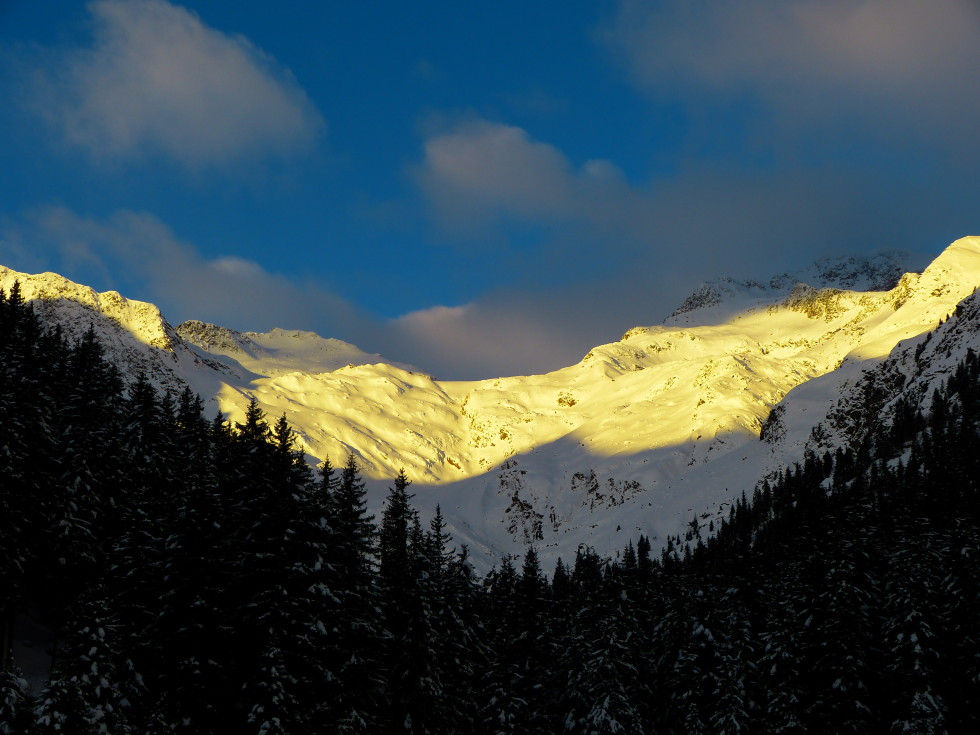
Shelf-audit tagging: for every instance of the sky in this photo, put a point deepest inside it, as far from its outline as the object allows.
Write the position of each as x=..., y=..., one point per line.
x=477, y=189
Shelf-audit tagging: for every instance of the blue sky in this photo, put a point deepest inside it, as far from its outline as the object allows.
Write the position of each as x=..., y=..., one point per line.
x=477, y=189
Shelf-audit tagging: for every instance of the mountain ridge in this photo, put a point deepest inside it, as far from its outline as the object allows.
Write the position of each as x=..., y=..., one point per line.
x=278, y=351
x=637, y=437
x=879, y=271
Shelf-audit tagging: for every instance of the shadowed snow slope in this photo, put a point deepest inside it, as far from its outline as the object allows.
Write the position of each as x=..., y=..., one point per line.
x=638, y=437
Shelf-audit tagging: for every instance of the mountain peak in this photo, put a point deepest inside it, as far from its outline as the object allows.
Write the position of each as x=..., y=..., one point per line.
x=717, y=300
x=878, y=271
x=959, y=260
x=59, y=300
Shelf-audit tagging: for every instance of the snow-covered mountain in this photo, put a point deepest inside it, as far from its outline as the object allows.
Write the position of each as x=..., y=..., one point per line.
x=638, y=437
x=278, y=352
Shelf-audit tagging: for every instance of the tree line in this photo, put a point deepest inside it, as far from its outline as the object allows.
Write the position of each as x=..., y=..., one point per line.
x=202, y=578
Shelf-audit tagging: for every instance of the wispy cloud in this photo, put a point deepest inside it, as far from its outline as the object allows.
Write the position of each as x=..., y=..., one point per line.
x=158, y=81
x=136, y=253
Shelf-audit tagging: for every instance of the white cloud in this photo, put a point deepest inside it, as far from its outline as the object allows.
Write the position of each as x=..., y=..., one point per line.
x=435, y=318
x=887, y=64
x=887, y=42
x=239, y=268
x=480, y=171
x=158, y=80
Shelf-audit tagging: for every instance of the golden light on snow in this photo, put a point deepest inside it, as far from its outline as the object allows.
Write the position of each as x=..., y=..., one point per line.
x=59, y=296
x=706, y=389
x=648, y=429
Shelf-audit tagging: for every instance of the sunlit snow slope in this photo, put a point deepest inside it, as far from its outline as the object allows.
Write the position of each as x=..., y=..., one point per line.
x=638, y=437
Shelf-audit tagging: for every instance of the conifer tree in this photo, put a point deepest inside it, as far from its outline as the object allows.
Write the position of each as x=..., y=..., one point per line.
x=193, y=632
x=26, y=408
x=507, y=708
x=82, y=476
x=561, y=583
x=288, y=572
x=15, y=715
x=356, y=696
x=393, y=541
x=842, y=653
x=910, y=619
x=605, y=687
x=456, y=651
x=399, y=540
x=93, y=686
x=139, y=517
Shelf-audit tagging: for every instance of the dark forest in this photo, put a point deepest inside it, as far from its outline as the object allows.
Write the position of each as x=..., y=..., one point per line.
x=199, y=577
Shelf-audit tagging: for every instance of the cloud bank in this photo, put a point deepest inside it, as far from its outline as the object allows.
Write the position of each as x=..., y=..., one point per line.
x=477, y=340
x=157, y=80
x=484, y=175
x=506, y=331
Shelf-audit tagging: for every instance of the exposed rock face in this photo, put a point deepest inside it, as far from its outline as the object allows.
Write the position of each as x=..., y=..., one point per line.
x=212, y=338
x=878, y=272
